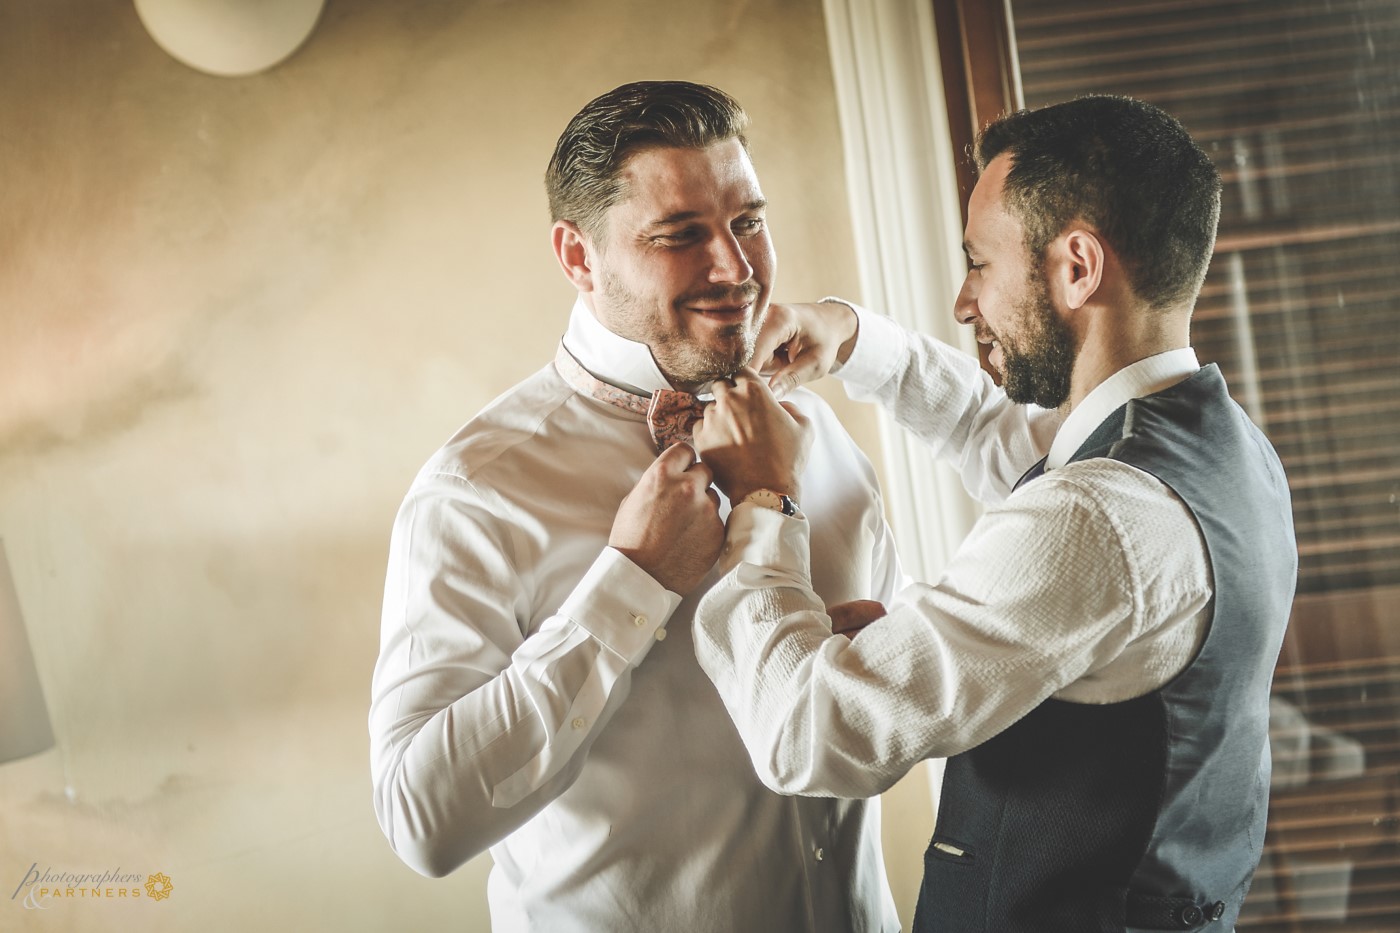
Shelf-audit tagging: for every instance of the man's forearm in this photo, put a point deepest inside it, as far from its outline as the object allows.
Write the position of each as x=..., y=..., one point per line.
x=757, y=634
x=941, y=396
x=473, y=728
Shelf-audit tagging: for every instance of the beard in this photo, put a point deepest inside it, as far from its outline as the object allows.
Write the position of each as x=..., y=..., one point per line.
x=688, y=364
x=684, y=360
x=1039, y=368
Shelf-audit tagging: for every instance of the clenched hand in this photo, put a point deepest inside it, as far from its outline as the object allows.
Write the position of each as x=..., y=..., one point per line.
x=669, y=523
x=750, y=440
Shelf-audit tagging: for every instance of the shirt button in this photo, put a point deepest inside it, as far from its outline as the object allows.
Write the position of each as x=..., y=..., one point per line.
x=661, y=634
x=819, y=854
x=639, y=620
x=579, y=722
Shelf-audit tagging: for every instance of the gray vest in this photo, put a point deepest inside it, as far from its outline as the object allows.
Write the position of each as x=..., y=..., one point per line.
x=1147, y=814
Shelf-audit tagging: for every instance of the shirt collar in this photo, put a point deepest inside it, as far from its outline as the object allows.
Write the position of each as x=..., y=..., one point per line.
x=1136, y=380
x=616, y=360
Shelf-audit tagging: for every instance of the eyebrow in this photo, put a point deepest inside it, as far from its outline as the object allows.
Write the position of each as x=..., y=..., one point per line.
x=756, y=204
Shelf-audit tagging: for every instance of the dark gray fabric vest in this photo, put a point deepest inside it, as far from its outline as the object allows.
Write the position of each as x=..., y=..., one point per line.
x=1147, y=814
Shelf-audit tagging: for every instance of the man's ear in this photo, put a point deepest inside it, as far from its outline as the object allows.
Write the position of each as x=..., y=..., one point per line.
x=1077, y=266
x=574, y=252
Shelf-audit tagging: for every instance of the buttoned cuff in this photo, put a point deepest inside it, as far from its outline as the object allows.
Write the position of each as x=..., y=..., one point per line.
x=769, y=539
x=621, y=605
x=880, y=347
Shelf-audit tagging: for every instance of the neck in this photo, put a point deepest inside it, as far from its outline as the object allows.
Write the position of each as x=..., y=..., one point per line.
x=1118, y=339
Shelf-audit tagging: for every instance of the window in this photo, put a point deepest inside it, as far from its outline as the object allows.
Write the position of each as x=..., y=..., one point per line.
x=1298, y=102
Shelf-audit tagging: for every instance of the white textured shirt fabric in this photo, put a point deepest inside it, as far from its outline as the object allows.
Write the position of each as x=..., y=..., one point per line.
x=1090, y=584
x=538, y=694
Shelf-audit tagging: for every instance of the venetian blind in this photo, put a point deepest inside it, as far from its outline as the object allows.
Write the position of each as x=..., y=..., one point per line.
x=1298, y=102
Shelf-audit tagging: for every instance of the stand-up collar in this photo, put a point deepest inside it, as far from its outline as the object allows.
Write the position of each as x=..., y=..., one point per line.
x=1144, y=377
x=616, y=360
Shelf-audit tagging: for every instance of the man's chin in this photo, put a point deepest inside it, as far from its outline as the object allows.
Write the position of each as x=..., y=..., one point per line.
x=724, y=368
x=1027, y=390
x=700, y=368
x=732, y=345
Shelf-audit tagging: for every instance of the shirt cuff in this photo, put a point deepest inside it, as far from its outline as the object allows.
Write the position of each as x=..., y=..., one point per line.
x=880, y=349
x=769, y=539
x=621, y=605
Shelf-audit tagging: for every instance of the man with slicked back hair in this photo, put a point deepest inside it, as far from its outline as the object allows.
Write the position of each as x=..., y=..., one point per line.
x=537, y=694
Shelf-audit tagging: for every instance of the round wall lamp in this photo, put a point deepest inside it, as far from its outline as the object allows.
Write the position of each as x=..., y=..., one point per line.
x=229, y=38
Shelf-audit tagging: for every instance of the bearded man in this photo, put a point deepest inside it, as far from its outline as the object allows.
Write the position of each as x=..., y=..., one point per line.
x=1096, y=660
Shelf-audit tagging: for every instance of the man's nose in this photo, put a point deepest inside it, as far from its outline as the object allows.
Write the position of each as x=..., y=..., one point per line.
x=965, y=308
x=728, y=261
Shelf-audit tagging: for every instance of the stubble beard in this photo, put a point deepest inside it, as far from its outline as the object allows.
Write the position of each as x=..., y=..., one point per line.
x=1040, y=368
x=689, y=364
x=684, y=361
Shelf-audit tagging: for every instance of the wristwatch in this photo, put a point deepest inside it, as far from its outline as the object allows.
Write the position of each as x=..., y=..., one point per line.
x=776, y=501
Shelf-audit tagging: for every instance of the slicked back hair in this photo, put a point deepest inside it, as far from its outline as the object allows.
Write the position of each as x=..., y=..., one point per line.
x=1127, y=169
x=584, y=175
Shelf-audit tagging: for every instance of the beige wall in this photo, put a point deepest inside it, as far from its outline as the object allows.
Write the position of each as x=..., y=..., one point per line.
x=235, y=317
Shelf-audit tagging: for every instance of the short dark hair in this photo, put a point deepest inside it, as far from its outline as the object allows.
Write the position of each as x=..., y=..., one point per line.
x=584, y=175
x=1123, y=166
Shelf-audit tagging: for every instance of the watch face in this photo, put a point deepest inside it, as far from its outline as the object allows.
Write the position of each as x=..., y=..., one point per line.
x=772, y=500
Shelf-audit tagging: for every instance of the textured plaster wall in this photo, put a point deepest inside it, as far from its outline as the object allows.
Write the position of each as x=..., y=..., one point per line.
x=235, y=317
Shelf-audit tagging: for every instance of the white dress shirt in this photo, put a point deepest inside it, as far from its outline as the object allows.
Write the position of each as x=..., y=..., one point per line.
x=536, y=693
x=1090, y=584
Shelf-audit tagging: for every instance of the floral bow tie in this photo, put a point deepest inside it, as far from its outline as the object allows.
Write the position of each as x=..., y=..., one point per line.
x=670, y=415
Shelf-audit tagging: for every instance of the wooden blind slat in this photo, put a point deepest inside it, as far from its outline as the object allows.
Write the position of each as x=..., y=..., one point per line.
x=1298, y=104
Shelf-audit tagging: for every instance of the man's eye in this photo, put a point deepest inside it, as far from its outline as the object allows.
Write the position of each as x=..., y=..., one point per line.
x=678, y=238
x=749, y=225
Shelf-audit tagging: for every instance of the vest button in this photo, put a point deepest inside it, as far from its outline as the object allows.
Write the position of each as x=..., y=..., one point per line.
x=1217, y=910
x=1190, y=916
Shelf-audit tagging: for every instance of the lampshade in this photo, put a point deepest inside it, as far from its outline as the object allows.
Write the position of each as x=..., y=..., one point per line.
x=229, y=38
x=24, y=719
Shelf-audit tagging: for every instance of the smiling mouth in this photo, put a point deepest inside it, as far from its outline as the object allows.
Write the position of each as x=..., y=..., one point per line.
x=728, y=314
x=995, y=356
